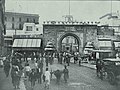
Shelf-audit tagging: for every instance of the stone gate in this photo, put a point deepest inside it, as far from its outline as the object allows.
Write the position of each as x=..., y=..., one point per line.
x=56, y=31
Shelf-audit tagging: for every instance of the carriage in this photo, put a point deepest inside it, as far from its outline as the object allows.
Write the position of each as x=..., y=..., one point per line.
x=111, y=70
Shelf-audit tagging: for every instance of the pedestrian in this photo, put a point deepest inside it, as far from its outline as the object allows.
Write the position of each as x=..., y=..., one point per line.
x=75, y=58
x=61, y=56
x=66, y=74
x=80, y=61
x=43, y=77
x=39, y=75
x=32, y=78
x=1, y=63
x=64, y=57
x=6, y=67
x=40, y=64
x=16, y=78
x=47, y=79
x=68, y=59
x=99, y=66
x=47, y=59
x=58, y=74
x=27, y=70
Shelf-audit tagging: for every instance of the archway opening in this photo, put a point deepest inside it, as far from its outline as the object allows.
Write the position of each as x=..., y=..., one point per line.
x=69, y=43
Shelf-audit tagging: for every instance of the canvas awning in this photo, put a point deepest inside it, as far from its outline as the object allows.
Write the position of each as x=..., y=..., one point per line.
x=105, y=44
x=27, y=43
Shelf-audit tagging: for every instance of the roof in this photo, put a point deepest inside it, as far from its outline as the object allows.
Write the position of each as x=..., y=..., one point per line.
x=111, y=59
x=23, y=14
x=27, y=43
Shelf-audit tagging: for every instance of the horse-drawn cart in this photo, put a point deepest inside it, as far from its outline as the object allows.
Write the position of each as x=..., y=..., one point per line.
x=111, y=70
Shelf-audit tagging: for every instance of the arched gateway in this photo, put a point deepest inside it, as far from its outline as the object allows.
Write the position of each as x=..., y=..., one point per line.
x=76, y=40
x=57, y=31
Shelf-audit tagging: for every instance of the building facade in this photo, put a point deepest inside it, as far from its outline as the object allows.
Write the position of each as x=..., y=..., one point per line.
x=113, y=20
x=29, y=29
x=83, y=32
x=19, y=24
x=2, y=25
x=16, y=21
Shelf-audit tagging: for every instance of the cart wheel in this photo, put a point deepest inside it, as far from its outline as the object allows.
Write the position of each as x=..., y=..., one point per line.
x=99, y=74
x=112, y=79
x=105, y=75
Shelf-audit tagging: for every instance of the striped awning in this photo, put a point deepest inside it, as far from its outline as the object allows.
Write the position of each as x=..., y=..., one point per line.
x=26, y=43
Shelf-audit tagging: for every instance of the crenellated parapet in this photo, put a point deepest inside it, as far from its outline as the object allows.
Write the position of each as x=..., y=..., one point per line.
x=69, y=23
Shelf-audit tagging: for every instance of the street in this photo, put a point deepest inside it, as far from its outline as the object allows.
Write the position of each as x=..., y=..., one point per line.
x=80, y=78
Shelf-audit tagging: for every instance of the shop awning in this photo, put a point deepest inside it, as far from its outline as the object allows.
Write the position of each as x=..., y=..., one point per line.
x=27, y=43
x=105, y=44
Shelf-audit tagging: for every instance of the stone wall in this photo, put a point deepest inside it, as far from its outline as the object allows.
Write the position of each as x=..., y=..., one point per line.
x=85, y=33
x=91, y=35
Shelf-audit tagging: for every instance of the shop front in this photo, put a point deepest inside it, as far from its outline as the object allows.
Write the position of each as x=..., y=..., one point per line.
x=105, y=49
x=27, y=47
x=117, y=48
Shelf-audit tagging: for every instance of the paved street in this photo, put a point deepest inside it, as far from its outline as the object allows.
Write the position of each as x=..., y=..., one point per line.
x=81, y=78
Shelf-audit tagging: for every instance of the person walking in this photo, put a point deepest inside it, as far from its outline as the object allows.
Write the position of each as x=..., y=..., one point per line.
x=39, y=75
x=58, y=74
x=40, y=64
x=32, y=78
x=15, y=78
x=66, y=74
x=47, y=59
x=75, y=57
x=80, y=61
x=68, y=59
x=6, y=67
x=47, y=79
x=27, y=70
x=64, y=57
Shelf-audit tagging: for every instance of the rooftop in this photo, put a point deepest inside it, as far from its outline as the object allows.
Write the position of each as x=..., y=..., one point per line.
x=24, y=14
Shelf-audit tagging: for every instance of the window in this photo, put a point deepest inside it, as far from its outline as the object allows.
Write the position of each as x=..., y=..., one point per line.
x=19, y=19
x=12, y=18
x=37, y=29
x=27, y=19
x=117, y=30
x=34, y=20
x=13, y=26
x=20, y=26
x=5, y=18
x=28, y=28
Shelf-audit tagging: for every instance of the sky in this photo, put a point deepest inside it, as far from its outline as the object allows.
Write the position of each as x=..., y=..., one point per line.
x=50, y=10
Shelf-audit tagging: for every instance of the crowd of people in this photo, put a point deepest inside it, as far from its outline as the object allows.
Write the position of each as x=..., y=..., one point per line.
x=33, y=70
